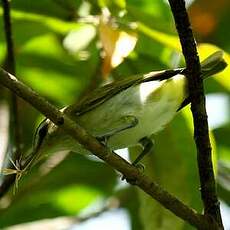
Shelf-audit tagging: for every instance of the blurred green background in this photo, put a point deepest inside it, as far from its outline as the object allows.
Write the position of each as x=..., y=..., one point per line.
x=66, y=48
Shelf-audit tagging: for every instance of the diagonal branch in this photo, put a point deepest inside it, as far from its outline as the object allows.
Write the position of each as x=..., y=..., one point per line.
x=79, y=134
x=196, y=91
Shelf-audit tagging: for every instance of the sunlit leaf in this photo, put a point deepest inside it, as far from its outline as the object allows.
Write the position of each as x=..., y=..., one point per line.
x=79, y=38
x=121, y=3
x=163, y=38
x=40, y=67
x=107, y=3
x=54, y=24
x=187, y=114
x=74, y=198
x=117, y=45
x=223, y=147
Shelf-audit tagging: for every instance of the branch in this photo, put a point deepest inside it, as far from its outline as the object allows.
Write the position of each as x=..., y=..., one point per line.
x=79, y=134
x=15, y=129
x=10, y=61
x=196, y=92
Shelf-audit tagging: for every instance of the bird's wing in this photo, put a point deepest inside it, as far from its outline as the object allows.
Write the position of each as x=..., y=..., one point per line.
x=104, y=93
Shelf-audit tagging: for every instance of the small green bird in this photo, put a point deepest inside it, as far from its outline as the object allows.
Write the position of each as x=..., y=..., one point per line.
x=125, y=113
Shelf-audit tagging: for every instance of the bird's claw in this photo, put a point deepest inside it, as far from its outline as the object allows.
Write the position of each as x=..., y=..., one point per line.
x=132, y=181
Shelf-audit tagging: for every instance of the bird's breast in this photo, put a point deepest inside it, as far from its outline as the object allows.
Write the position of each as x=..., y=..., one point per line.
x=153, y=103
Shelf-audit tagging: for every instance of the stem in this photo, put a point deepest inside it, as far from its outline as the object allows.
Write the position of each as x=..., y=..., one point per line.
x=10, y=65
x=79, y=134
x=15, y=129
x=196, y=91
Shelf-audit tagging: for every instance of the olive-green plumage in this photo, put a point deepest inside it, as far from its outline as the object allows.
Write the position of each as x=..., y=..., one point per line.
x=126, y=111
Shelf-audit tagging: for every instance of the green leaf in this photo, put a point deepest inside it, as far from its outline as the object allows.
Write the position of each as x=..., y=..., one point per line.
x=222, y=138
x=79, y=38
x=64, y=75
x=72, y=185
x=173, y=165
x=55, y=8
x=163, y=38
x=223, y=186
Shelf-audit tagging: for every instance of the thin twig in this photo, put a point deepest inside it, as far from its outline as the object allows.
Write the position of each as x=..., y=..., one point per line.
x=15, y=128
x=90, y=143
x=10, y=65
x=196, y=91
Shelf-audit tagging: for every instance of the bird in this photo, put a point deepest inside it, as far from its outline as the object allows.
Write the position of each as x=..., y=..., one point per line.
x=124, y=113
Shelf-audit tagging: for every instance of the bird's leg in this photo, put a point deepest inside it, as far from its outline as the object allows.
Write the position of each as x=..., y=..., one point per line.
x=147, y=144
x=122, y=124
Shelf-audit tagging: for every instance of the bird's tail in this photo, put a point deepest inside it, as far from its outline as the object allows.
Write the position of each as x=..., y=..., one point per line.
x=213, y=64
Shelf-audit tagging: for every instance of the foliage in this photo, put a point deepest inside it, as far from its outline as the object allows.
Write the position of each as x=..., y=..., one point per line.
x=58, y=48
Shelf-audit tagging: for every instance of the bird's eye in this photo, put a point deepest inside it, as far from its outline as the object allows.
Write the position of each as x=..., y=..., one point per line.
x=40, y=134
